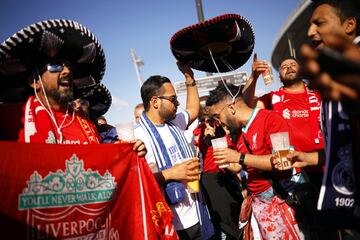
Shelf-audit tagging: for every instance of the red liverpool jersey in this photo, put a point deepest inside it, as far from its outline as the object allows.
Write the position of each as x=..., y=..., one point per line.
x=302, y=113
x=256, y=133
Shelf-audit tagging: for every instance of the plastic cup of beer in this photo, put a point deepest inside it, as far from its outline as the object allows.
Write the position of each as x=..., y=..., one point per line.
x=220, y=143
x=193, y=186
x=281, y=146
x=153, y=167
x=267, y=75
x=125, y=131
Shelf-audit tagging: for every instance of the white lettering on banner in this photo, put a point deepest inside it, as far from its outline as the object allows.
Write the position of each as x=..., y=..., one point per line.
x=73, y=228
x=66, y=192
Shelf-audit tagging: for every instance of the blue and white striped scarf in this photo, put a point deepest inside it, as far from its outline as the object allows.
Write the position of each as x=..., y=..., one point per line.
x=158, y=146
x=163, y=162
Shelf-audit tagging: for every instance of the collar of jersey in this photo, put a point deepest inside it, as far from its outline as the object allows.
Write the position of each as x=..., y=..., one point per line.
x=251, y=119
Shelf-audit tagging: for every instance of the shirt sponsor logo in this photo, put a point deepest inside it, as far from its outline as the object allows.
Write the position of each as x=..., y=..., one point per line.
x=286, y=113
x=300, y=113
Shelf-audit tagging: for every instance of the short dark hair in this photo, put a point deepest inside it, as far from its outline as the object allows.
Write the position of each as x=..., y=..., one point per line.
x=287, y=58
x=101, y=118
x=344, y=9
x=220, y=93
x=151, y=87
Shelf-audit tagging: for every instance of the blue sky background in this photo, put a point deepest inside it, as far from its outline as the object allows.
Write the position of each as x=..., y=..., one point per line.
x=146, y=26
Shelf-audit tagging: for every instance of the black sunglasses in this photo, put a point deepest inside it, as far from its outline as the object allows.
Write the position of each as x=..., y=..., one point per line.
x=56, y=66
x=172, y=99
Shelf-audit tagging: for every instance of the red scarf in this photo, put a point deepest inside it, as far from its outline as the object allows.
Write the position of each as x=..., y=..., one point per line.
x=38, y=125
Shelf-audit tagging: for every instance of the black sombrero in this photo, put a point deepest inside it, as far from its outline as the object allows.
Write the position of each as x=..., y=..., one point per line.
x=230, y=38
x=42, y=41
x=99, y=99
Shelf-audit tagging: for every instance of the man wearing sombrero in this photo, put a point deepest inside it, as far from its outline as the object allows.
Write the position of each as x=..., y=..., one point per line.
x=58, y=59
x=44, y=56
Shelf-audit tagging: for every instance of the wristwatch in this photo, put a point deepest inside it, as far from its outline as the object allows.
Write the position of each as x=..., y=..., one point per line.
x=242, y=158
x=190, y=84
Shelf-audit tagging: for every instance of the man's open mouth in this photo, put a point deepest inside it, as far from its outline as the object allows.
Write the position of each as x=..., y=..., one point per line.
x=316, y=43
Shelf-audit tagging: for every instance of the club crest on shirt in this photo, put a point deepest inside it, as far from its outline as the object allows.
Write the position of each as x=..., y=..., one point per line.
x=342, y=176
x=69, y=204
x=254, y=144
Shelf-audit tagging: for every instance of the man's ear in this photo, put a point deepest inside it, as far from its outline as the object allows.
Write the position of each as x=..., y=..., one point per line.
x=350, y=26
x=154, y=102
x=35, y=84
x=232, y=109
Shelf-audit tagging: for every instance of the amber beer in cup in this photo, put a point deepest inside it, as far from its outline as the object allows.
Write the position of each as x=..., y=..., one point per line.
x=281, y=146
x=284, y=161
x=193, y=186
x=267, y=75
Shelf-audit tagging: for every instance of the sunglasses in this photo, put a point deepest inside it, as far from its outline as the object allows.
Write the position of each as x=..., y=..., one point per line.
x=55, y=67
x=172, y=99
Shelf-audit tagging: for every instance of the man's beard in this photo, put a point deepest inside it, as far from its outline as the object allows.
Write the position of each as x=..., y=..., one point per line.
x=166, y=114
x=62, y=98
x=290, y=81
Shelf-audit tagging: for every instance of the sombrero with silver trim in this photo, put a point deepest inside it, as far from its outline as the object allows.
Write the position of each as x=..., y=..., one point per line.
x=43, y=41
x=227, y=39
x=99, y=99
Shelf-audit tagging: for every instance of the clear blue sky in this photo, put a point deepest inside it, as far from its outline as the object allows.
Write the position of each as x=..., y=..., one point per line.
x=146, y=26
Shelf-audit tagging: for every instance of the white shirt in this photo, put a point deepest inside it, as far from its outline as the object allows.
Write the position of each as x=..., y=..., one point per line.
x=185, y=215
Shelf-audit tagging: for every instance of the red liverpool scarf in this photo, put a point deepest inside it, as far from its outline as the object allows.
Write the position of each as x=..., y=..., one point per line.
x=38, y=126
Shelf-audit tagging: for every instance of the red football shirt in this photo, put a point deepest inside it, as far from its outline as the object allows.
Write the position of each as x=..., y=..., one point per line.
x=302, y=113
x=257, y=131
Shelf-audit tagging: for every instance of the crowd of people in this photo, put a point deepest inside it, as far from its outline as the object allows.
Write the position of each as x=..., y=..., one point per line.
x=245, y=191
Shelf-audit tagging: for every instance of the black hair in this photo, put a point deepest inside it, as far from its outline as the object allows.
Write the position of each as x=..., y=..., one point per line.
x=287, y=58
x=220, y=93
x=151, y=87
x=101, y=118
x=344, y=9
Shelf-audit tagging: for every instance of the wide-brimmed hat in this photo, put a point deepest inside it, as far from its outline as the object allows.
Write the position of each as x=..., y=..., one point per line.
x=230, y=39
x=99, y=99
x=41, y=42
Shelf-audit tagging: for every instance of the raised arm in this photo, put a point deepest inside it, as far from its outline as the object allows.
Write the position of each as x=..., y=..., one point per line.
x=192, y=98
x=250, y=86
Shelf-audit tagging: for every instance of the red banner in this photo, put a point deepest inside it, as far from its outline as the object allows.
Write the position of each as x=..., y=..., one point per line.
x=79, y=192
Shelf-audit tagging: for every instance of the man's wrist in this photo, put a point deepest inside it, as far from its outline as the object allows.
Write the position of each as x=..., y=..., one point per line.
x=242, y=159
x=191, y=84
